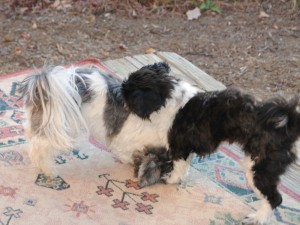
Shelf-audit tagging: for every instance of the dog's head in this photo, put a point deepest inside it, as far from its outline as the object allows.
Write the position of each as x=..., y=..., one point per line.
x=147, y=89
x=151, y=164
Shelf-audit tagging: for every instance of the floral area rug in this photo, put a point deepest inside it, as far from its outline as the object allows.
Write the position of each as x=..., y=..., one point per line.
x=96, y=188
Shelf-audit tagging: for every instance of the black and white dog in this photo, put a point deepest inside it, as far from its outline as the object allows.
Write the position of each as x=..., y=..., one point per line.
x=267, y=131
x=156, y=121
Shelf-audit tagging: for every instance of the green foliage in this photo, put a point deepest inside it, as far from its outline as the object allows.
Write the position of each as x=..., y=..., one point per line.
x=295, y=3
x=209, y=5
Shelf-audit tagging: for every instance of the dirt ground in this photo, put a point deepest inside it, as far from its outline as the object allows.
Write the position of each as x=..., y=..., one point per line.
x=258, y=54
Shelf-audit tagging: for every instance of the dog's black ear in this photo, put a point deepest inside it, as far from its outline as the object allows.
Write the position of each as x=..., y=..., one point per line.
x=147, y=89
x=158, y=68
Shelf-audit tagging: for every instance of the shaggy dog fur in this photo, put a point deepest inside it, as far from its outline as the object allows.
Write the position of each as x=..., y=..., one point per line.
x=267, y=131
x=155, y=121
x=63, y=104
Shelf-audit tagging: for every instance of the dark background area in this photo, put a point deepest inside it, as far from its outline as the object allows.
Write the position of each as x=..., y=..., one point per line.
x=242, y=47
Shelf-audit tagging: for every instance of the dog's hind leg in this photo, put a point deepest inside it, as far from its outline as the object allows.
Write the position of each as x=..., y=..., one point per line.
x=264, y=184
x=42, y=154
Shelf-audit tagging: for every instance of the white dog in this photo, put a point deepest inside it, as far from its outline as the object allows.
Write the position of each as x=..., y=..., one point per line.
x=63, y=104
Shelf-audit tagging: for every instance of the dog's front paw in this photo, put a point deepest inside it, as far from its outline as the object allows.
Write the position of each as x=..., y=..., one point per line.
x=256, y=218
x=175, y=172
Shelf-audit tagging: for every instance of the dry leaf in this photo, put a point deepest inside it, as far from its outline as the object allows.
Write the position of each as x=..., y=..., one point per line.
x=275, y=26
x=242, y=69
x=8, y=38
x=55, y=4
x=34, y=25
x=150, y=51
x=18, y=50
x=91, y=19
x=105, y=53
x=134, y=13
x=154, y=25
x=193, y=14
x=23, y=10
x=66, y=3
x=263, y=14
x=32, y=47
x=25, y=36
x=59, y=49
x=123, y=47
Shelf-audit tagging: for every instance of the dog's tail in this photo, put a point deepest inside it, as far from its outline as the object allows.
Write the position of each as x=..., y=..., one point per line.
x=53, y=105
x=281, y=114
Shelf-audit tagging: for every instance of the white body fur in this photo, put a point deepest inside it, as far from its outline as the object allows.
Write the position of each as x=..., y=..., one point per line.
x=137, y=133
x=62, y=121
